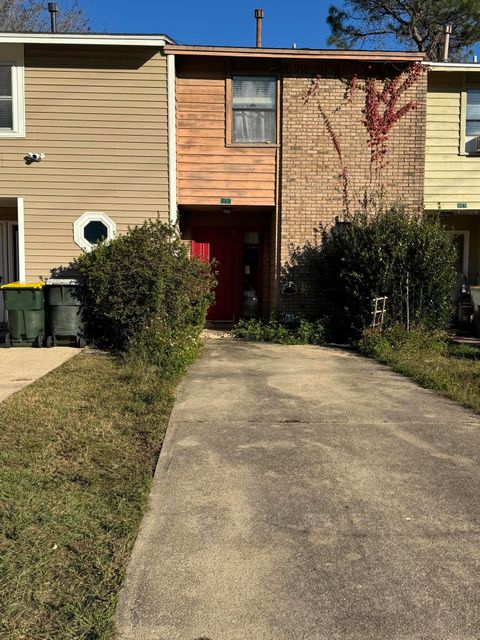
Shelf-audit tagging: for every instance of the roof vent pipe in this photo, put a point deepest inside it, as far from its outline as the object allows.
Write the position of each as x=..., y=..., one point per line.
x=447, y=32
x=259, y=17
x=53, y=8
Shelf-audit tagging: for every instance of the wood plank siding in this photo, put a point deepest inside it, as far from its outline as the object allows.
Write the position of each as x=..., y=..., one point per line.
x=451, y=176
x=207, y=168
x=99, y=113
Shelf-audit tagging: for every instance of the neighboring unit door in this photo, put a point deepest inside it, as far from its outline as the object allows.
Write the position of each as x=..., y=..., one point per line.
x=8, y=257
x=224, y=245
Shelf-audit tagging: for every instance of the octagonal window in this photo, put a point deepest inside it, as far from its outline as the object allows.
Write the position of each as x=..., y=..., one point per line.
x=95, y=231
x=93, y=227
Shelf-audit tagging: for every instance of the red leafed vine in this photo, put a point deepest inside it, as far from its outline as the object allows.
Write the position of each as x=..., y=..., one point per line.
x=381, y=112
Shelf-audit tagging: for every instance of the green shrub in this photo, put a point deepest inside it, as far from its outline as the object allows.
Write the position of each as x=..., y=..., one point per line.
x=386, y=345
x=302, y=332
x=379, y=255
x=142, y=292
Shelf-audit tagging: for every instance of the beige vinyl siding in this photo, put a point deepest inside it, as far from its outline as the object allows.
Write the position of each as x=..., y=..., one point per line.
x=100, y=115
x=451, y=176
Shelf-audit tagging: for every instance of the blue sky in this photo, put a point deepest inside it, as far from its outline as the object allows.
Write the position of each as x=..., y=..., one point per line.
x=225, y=22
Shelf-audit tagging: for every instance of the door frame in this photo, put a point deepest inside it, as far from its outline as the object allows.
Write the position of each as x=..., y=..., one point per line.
x=241, y=230
x=466, y=248
x=20, y=221
x=13, y=270
x=4, y=266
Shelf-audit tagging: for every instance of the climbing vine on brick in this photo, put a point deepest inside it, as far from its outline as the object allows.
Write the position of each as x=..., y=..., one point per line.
x=313, y=91
x=381, y=112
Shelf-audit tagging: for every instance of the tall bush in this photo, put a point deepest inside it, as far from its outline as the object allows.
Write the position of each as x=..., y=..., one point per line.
x=391, y=253
x=142, y=291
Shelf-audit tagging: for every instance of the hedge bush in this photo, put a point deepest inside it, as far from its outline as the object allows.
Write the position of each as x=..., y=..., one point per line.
x=300, y=332
x=375, y=256
x=142, y=292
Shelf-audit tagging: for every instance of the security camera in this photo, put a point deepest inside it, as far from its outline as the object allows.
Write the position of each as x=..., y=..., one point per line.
x=33, y=156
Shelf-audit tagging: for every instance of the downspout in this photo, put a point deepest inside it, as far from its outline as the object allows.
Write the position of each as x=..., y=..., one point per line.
x=172, y=141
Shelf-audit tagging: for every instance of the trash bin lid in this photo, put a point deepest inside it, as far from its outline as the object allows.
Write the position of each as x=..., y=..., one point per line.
x=22, y=285
x=62, y=281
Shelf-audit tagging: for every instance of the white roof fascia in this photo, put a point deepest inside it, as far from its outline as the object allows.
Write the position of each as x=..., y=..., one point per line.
x=453, y=66
x=86, y=38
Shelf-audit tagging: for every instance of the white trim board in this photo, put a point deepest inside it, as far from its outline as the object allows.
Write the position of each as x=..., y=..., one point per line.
x=130, y=40
x=21, y=239
x=172, y=140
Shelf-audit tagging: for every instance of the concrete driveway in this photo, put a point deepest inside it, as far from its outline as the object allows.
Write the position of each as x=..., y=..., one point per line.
x=20, y=366
x=306, y=493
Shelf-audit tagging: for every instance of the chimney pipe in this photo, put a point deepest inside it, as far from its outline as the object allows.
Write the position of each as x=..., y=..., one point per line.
x=447, y=32
x=53, y=9
x=259, y=17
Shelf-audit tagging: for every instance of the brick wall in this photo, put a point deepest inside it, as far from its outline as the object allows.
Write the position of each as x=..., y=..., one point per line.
x=310, y=188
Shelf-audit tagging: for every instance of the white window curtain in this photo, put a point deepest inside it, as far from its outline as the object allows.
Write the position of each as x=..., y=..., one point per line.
x=6, y=97
x=254, y=109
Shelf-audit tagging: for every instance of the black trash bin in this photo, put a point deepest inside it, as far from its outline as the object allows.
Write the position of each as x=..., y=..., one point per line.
x=64, y=313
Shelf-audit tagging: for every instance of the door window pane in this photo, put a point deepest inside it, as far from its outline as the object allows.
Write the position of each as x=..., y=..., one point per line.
x=251, y=274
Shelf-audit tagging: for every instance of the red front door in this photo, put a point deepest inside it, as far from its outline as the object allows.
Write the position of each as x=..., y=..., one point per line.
x=225, y=246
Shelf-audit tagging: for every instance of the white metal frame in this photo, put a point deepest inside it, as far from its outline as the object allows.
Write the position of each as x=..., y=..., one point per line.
x=379, y=309
x=92, y=216
x=13, y=56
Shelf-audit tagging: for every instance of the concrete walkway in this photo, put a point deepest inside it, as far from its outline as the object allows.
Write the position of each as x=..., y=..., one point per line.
x=20, y=366
x=308, y=494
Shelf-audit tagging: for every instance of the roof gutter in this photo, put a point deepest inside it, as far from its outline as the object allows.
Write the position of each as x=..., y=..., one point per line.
x=296, y=54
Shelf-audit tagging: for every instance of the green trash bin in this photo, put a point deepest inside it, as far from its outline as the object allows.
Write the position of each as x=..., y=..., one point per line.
x=24, y=303
x=64, y=313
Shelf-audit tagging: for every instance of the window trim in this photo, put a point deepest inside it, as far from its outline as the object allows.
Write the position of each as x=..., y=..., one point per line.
x=465, y=88
x=92, y=216
x=13, y=56
x=229, y=112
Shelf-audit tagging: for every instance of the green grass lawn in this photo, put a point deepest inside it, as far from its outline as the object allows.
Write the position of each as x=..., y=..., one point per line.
x=432, y=361
x=77, y=453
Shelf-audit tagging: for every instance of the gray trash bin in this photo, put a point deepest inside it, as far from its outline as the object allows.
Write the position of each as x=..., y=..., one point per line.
x=63, y=312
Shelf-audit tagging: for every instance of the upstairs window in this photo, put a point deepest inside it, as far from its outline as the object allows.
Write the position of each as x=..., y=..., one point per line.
x=254, y=105
x=12, y=91
x=6, y=98
x=472, y=130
